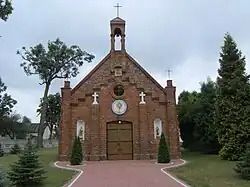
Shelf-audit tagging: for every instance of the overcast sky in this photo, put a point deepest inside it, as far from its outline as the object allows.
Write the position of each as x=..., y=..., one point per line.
x=184, y=36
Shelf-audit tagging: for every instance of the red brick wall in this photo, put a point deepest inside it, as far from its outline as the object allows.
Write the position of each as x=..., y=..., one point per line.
x=158, y=105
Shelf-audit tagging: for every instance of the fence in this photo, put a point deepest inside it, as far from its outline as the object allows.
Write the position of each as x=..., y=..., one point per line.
x=8, y=144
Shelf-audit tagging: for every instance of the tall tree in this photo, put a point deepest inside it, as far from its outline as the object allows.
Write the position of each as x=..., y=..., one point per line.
x=232, y=101
x=52, y=113
x=205, y=125
x=187, y=109
x=196, y=114
x=5, y=9
x=6, y=106
x=6, y=102
x=58, y=61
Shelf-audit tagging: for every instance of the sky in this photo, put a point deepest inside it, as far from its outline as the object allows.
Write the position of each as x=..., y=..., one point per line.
x=183, y=36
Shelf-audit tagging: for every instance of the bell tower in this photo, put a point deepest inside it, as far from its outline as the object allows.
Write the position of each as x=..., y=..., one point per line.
x=117, y=26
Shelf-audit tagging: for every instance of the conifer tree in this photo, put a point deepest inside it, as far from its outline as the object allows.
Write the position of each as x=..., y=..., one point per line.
x=243, y=167
x=27, y=171
x=232, y=103
x=2, y=178
x=163, y=152
x=76, y=155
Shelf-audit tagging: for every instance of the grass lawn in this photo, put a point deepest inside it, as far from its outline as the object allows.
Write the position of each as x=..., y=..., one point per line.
x=56, y=177
x=208, y=171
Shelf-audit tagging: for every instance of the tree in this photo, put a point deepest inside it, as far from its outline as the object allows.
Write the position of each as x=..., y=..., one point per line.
x=205, y=131
x=27, y=171
x=3, y=180
x=53, y=112
x=163, y=152
x=196, y=115
x=14, y=126
x=58, y=61
x=6, y=106
x=6, y=102
x=187, y=109
x=232, y=103
x=5, y=9
x=243, y=167
x=76, y=154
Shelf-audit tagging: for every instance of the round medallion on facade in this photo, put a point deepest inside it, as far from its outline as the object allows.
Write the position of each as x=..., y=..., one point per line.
x=119, y=107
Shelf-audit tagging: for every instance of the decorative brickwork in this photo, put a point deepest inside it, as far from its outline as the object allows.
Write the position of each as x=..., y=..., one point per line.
x=77, y=104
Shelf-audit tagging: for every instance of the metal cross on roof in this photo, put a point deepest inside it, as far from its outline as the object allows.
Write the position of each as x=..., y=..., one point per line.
x=117, y=9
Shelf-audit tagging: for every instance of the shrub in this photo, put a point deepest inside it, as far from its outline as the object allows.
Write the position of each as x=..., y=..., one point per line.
x=243, y=167
x=163, y=152
x=15, y=149
x=27, y=171
x=76, y=154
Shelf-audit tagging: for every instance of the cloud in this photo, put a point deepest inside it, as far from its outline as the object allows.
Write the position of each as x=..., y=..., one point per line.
x=184, y=36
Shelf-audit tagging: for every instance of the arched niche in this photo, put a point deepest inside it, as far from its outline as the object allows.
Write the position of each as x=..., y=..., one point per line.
x=80, y=129
x=157, y=127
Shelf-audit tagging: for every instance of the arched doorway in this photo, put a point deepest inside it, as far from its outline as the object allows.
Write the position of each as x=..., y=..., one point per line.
x=119, y=140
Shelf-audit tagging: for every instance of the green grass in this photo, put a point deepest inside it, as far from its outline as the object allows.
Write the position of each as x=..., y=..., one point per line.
x=56, y=177
x=208, y=171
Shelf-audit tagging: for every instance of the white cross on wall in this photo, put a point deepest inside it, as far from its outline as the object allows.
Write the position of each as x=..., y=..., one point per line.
x=95, y=95
x=142, y=95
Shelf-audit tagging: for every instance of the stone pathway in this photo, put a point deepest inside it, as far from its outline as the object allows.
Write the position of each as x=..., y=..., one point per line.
x=129, y=173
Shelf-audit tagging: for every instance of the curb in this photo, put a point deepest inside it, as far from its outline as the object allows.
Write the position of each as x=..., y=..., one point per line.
x=172, y=177
x=80, y=172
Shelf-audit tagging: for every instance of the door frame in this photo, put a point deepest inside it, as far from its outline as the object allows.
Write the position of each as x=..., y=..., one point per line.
x=132, y=132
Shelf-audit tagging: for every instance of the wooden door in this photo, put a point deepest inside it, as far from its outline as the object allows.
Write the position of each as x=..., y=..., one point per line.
x=119, y=141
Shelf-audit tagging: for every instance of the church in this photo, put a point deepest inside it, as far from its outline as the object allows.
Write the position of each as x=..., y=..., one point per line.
x=118, y=110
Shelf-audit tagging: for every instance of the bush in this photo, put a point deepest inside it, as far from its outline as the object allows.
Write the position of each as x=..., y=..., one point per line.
x=243, y=167
x=163, y=153
x=1, y=150
x=76, y=154
x=27, y=171
x=15, y=149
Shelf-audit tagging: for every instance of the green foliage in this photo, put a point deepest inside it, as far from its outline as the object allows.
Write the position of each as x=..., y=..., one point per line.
x=187, y=108
x=14, y=126
x=205, y=125
x=163, y=152
x=1, y=150
x=232, y=103
x=58, y=61
x=6, y=102
x=76, y=155
x=196, y=115
x=243, y=167
x=27, y=171
x=15, y=149
x=3, y=181
x=5, y=9
x=53, y=112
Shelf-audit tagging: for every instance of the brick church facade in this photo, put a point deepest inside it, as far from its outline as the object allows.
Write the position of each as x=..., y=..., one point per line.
x=118, y=110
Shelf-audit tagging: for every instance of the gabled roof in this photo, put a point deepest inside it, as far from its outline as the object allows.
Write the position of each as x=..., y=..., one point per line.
x=117, y=20
x=104, y=60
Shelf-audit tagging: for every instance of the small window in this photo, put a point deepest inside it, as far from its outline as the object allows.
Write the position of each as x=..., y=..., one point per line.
x=119, y=90
x=118, y=71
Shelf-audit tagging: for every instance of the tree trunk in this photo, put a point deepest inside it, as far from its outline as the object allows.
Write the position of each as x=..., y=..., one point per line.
x=42, y=125
x=51, y=131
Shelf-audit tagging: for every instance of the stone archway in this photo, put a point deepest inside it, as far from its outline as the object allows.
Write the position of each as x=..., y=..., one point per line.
x=119, y=140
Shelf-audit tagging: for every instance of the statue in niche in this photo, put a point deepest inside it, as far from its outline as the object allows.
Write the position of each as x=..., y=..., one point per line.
x=157, y=131
x=80, y=133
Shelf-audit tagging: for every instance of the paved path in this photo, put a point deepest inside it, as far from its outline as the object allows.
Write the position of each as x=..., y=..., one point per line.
x=134, y=173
